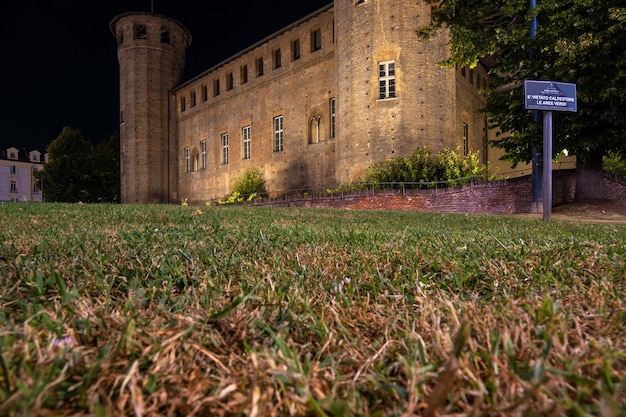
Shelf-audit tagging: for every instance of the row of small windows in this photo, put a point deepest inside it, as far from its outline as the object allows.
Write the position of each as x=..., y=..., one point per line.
x=259, y=69
x=474, y=76
x=140, y=32
x=199, y=162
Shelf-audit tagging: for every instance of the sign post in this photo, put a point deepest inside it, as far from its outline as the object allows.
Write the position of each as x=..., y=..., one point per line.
x=548, y=96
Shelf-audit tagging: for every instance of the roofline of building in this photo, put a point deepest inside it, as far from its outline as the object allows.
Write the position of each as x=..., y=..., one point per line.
x=254, y=46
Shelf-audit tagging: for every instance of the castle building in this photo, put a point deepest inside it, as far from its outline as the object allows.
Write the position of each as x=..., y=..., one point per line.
x=17, y=175
x=312, y=105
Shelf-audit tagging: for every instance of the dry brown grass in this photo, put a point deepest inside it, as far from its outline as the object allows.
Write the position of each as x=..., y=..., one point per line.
x=309, y=313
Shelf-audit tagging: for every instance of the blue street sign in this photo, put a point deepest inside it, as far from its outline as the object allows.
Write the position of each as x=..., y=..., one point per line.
x=550, y=96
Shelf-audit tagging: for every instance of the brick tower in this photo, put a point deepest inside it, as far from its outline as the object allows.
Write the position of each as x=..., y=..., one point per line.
x=392, y=97
x=151, y=54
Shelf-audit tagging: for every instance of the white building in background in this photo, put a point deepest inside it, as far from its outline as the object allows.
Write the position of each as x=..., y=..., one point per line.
x=17, y=175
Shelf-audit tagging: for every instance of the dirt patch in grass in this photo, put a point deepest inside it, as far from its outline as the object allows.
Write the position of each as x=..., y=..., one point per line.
x=602, y=211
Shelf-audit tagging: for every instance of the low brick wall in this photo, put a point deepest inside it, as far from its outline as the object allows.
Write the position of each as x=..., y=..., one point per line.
x=510, y=196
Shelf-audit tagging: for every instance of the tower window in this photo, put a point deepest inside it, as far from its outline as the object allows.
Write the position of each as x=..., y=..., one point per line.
x=205, y=93
x=316, y=40
x=165, y=35
x=183, y=104
x=193, y=98
x=216, y=87
x=277, y=58
x=259, y=67
x=243, y=74
x=278, y=134
x=295, y=49
x=387, y=79
x=140, y=32
x=229, y=81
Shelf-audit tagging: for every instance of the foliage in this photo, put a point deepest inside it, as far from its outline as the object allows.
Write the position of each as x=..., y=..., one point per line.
x=106, y=170
x=578, y=41
x=76, y=171
x=421, y=166
x=615, y=164
x=248, y=186
x=156, y=310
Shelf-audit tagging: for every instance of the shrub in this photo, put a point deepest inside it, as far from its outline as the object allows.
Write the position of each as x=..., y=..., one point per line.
x=420, y=166
x=248, y=186
x=615, y=164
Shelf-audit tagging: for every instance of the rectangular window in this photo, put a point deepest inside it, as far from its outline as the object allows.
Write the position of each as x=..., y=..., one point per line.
x=216, y=87
x=203, y=154
x=229, y=81
x=245, y=140
x=333, y=117
x=187, y=160
x=243, y=74
x=225, y=153
x=193, y=99
x=277, y=58
x=183, y=105
x=259, y=67
x=387, y=79
x=316, y=40
x=13, y=186
x=278, y=134
x=205, y=93
x=465, y=139
x=13, y=169
x=295, y=49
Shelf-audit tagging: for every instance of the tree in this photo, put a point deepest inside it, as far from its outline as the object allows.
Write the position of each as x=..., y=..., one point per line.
x=78, y=172
x=107, y=170
x=578, y=41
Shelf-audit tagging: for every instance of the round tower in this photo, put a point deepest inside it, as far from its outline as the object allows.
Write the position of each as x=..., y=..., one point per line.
x=151, y=54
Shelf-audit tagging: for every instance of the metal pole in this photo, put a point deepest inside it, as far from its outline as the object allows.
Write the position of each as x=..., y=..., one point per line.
x=547, y=165
x=536, y=118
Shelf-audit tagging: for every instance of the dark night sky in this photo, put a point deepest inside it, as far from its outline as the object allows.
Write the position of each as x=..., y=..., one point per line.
x=59, y=60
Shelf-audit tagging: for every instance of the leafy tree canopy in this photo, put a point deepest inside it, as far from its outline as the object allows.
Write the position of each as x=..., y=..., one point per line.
x=76, y=171
x=577, y=41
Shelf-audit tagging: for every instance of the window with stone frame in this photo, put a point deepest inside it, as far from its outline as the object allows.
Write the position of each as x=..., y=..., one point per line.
x=187, y=153
x=203, y=154
x=278, y=134
x=386, y=79
x=246, y=143
x=225, y=149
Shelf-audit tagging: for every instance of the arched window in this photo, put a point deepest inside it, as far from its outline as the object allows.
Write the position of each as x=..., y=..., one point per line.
x=316, y=130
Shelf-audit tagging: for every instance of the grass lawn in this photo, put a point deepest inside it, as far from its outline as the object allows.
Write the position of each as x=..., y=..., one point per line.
x=151, y=310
